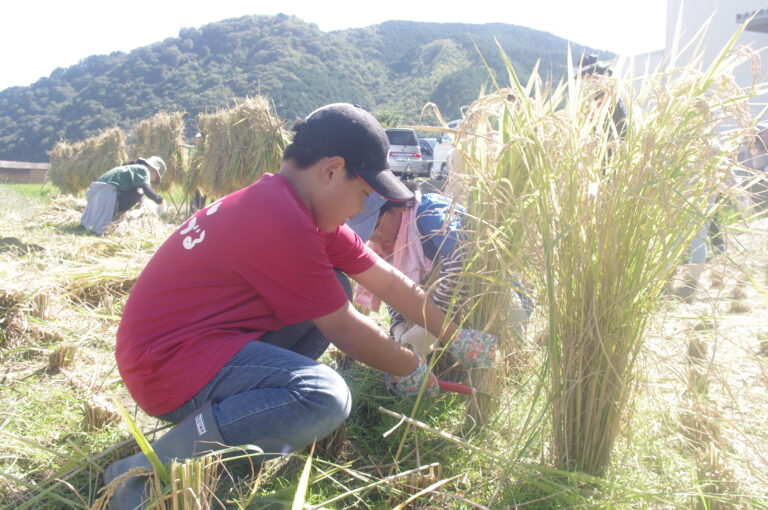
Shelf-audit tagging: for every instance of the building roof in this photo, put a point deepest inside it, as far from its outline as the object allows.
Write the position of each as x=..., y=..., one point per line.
x=24, y=165
x=757, y=24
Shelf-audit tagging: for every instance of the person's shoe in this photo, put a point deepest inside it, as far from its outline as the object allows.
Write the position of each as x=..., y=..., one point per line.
x=195, y=435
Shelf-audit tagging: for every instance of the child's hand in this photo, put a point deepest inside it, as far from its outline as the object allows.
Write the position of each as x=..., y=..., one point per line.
x=410, y=385
x=474, y=348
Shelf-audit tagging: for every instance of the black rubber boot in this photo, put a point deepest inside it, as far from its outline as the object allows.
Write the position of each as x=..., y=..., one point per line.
x=195, y=435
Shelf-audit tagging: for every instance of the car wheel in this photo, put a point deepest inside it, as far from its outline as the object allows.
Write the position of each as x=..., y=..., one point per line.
x=444, y=171
x=433, y=173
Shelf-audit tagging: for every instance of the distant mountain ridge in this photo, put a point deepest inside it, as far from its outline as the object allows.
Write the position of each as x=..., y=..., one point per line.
x=394, y=67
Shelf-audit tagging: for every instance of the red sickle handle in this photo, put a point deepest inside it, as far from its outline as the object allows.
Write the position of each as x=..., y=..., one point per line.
x=455, y=387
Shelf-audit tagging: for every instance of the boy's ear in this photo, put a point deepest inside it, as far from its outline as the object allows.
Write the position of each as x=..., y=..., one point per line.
x=333, y=167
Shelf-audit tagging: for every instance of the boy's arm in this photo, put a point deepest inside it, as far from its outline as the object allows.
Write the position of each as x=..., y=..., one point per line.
x=407, y=297
x=359, y=337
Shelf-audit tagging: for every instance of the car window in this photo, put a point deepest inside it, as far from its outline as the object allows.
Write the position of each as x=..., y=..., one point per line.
x=402, y=138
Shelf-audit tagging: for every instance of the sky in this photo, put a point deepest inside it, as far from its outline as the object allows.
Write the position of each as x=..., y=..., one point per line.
x=37, y=36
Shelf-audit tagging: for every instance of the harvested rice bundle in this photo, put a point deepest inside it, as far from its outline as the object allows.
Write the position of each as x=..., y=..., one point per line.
x=111, y=280
x=163, y=135
x=239, y=145
x=598, y=215
x=75, y=165
x=142, y=219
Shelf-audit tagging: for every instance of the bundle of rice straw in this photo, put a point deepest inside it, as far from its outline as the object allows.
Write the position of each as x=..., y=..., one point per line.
x=163, y=135
x=143, y=219
x=75, y=165
x=239, y=145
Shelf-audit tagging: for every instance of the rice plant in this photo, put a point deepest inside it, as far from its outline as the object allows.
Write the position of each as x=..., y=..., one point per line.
x=597, y=214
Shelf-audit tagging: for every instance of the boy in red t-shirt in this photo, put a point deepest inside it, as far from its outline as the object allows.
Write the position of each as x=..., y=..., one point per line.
x=222, y=329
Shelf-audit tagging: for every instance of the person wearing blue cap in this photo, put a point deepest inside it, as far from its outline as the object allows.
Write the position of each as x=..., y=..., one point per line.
x=222, y=329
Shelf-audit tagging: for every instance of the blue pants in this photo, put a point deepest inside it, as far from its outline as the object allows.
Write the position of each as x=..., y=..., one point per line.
x=273, y=394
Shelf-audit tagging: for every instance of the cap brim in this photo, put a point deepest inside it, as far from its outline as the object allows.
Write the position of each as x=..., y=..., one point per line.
x=364, y=222
x=386, y=184
x=150, y=165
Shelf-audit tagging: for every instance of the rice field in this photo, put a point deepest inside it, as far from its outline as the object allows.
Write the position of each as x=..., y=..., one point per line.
x=696, y=438
x=640, y=380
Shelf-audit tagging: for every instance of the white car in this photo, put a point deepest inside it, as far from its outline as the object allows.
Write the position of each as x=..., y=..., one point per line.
x=444, y=147
x=404, y=152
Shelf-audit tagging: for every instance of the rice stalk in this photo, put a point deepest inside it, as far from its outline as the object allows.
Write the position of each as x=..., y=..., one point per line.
x=75, y=165
x=597, y=215
x=92, y=287
x=13, y=322
x=62, y=357
x=41, y=302
x=300, y=496
x=739, y=307
x=239, y=145
x=98, y=413
x=192, y=484
x=163, y=135
x=716, y=481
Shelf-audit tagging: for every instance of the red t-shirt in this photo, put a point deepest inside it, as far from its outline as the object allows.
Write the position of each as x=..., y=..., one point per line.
x=251, y=262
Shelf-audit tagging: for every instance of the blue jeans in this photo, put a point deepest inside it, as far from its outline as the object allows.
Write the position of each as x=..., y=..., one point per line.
x=273, y=394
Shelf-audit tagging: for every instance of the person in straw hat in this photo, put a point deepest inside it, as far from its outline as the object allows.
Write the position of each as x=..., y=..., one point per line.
x=120, y=189
x=222, y=329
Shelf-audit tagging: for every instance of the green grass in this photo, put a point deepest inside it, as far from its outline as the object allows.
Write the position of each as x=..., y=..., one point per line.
x=37, y=192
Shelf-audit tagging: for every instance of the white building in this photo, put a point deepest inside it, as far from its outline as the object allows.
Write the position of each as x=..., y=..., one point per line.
x=724, y=17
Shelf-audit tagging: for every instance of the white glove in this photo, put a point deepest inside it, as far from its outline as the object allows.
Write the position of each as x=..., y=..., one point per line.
x=161, y=208
x=420, y=341
x=397, y=332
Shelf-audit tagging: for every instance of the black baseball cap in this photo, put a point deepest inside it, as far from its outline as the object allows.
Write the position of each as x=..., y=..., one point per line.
x=591, y=64
x=348, y=131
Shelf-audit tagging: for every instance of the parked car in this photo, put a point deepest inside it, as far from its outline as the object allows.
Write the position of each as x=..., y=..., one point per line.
x=444, y=146
x=404, y=152
x=427, y=146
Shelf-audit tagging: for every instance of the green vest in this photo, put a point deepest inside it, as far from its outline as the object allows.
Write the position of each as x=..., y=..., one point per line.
x=126, y=177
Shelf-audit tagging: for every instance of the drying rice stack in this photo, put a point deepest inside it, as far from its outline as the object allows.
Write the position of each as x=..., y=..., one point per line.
x=75, y=165
x=163, y=135
x=239, y=145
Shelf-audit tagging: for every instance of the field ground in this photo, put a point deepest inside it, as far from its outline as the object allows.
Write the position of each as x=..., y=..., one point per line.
x=696, y=439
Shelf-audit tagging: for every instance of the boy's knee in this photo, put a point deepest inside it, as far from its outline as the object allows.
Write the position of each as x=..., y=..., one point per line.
x=332, y=399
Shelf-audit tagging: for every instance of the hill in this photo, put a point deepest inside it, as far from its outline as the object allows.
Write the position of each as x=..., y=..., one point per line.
x=393, y=67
